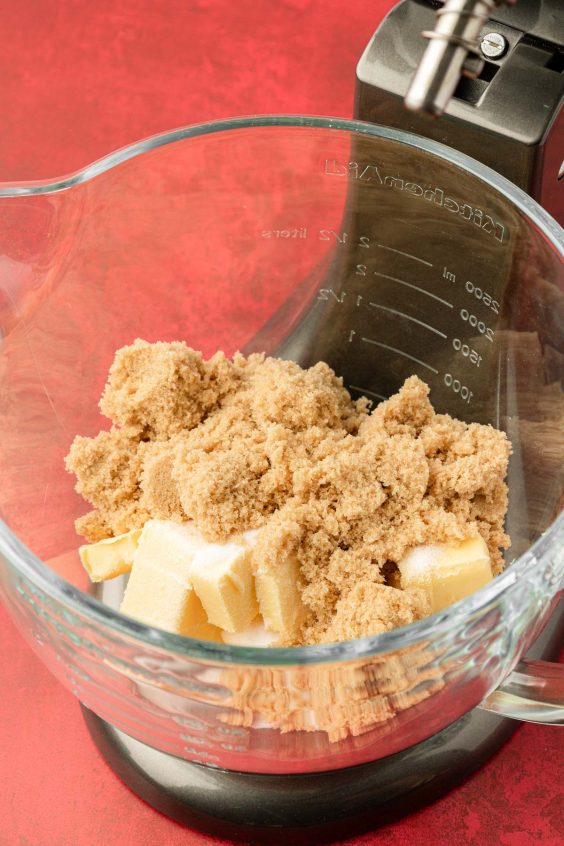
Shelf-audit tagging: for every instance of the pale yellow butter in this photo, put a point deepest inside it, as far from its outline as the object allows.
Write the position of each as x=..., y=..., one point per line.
x=111, y=557
x=278, y=596
x=223, y=579
x=447, y=572
x=256, y=634
x=160, y=591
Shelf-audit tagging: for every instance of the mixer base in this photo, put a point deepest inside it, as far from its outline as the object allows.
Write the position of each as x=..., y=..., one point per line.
x=308, y=808
x=311, y=807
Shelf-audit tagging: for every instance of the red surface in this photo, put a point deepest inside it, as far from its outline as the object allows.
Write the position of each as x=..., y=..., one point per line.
x=79, y=79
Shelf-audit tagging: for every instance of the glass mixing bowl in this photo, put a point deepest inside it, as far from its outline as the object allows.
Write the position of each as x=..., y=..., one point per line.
x=380, y=252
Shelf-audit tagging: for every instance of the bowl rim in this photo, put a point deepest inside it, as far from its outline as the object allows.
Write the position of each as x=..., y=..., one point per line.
x=30, y=566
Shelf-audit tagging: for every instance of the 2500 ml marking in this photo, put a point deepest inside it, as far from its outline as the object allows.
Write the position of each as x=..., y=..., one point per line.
x=483, y=296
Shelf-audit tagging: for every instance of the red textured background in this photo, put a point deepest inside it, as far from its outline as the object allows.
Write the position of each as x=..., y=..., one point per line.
x=78, y=79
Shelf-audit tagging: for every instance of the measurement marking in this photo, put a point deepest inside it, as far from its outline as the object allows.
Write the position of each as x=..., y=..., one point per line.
x=415, y=287
x=370, y=393
x=408, y=317
x=407, y=255
x=400, y=352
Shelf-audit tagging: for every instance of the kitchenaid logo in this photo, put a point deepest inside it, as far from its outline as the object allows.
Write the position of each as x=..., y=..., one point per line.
x=436, y=195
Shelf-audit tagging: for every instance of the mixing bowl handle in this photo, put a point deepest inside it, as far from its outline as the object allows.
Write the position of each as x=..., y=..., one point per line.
x=533, y=692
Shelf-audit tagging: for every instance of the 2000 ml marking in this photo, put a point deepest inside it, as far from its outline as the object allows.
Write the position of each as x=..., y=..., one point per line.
x=369, y=172
x=473, y=320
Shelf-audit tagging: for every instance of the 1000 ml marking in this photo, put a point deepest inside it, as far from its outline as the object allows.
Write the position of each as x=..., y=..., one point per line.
x=457, y=386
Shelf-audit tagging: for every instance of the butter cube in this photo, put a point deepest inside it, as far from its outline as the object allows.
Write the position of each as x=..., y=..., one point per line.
x=278, y=596
x=447, y=572
x=223, y=579
x=254, y=635
x=111, y=557
x=160, y=591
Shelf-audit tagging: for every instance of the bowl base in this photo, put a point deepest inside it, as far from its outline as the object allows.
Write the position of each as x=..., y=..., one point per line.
x=315, y=807
x=306, y=808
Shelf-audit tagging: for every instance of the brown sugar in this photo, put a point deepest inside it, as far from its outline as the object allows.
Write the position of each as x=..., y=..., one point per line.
x=258, y=442
x=159, y=389
x=374, y=608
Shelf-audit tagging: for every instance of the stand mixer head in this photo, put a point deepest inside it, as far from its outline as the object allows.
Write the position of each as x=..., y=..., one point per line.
x=499, y=103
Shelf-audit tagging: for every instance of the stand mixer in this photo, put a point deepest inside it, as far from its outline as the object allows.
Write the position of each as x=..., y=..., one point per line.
x=492, y=72
x=422, y=262
x=477, y=89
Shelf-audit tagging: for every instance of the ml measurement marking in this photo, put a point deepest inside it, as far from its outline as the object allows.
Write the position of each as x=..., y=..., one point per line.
x=369, y=393
x=407, y=255
x=409, y=317
x=400, y=352
x=415, y=287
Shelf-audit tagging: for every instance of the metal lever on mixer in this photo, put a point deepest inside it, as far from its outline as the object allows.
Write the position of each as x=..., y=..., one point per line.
x=453, y=51
x=510, y=116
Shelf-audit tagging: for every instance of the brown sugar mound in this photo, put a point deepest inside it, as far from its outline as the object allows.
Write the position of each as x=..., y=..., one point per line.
x=374, y=608
x=258, y=442
x=108, y=470
x=159, y=389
